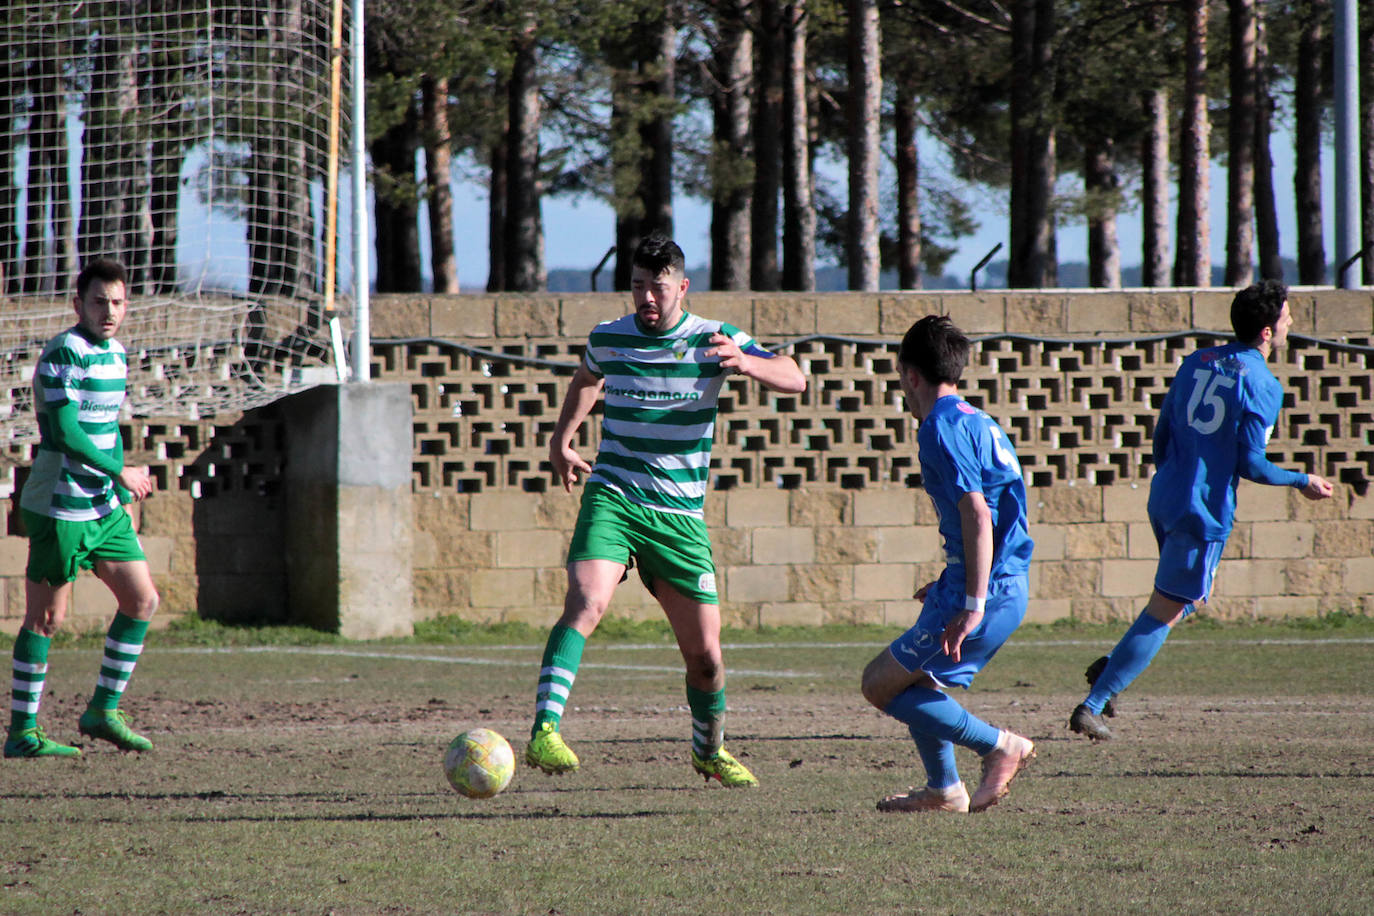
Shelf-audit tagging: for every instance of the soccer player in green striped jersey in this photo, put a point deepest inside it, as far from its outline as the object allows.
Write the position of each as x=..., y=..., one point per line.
x=660, y=371
x=73, y=506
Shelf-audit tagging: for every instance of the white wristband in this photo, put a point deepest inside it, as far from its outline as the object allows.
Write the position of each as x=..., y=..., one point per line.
x=974, y=604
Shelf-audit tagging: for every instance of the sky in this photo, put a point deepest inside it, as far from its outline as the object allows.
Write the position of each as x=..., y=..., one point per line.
x=578, y=232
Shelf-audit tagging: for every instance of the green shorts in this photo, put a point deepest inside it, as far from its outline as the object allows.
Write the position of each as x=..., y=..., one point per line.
x=666, y=546
x=58, y=548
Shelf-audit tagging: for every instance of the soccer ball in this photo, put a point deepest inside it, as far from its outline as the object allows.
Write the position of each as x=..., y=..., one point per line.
x=479, y=763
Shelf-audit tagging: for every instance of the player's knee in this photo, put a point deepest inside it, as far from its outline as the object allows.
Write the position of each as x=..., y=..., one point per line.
x=145, y=605
x=704, y=666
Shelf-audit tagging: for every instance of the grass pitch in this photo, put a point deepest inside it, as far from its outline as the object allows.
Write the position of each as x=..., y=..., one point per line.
x=307, y=778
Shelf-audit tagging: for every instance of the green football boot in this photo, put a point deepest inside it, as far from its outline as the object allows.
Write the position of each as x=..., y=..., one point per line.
x=31, y=742
x=112, y=725
x=548, y=752
x=721, y=766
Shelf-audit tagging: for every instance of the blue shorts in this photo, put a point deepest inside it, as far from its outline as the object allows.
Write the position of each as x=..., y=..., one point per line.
x=919, y=647
x=1187, y=566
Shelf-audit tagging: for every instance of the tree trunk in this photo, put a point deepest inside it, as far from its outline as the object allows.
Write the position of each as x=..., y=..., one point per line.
x=496, y=213
x=1193, y=263
x=438, y=139
x=763, y=211
x=1154, y=191
x=397, y=211
x=659, y=74
x=1032, y=262
x=1266, y=208
x=865, y=126
x=1103, y=188
x=1307, y=140
x=732, y=171
x=908, y=164
x=798, y=211
x=1240, y=174
x=524, y=260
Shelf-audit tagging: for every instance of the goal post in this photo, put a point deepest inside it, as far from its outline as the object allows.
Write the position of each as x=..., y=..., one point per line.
x=190, y=139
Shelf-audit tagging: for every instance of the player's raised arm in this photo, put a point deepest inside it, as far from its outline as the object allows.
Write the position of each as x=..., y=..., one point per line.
x=773, y=371
x=582, y=395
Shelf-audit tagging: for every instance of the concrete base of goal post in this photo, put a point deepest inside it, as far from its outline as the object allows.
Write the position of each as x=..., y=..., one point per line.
x=349, y=514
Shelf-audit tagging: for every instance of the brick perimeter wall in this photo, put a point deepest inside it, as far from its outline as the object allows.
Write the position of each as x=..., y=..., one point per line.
x=832, y=546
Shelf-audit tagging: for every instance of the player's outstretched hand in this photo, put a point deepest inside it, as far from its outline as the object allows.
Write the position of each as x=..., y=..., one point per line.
x=731, y=356
x=567, y=464
x=964, y=623
x=1317, y=488
x=137, y=481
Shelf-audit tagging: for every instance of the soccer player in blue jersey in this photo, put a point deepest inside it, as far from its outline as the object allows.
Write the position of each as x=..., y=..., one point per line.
x=73, y=511
x=1212, y=430
x=972, y=475
x=661, y=370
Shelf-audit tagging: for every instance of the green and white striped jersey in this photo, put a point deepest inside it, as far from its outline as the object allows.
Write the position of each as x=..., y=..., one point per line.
x=660, y=404
x=74, y=369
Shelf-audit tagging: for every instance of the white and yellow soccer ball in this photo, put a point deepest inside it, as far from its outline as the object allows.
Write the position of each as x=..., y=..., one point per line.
x=479, y=763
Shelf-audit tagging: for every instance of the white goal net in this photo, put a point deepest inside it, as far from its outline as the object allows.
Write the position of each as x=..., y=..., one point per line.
x=197, y=142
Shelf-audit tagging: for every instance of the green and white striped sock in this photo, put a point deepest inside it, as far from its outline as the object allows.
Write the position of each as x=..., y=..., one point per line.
x=562, y=656
x=123, y=644
x=708, y=720
x=30, y=673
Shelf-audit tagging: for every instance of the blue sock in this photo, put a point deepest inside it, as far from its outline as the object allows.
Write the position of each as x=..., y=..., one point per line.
x=937, y=755
x=1128, y=660
x=929, y=712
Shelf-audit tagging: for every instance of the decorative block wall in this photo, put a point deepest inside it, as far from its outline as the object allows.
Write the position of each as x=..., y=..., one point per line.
x=815, y=508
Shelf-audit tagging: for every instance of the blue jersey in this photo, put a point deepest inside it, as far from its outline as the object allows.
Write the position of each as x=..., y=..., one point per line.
x=963, y=450
x=1213, y=427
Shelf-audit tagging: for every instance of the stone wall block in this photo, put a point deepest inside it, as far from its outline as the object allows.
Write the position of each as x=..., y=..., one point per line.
x=1099, y=314
x=756, y=508
x=784, y=315
x=463, y=317
x=536, y=316
x=1127, y=578
x=791, y=614
x=848, y=313
x=776, y=546
x=1037, y=313
x=821, y=583
x=900, y=312
x=1067, y=505
x=847, y=545
x=578, y=315
x=1154, y=312
x=884, y=582
x=1281, y=539
x=755, y=583
x=820, y=509
x=876, y=508
x=495, y=510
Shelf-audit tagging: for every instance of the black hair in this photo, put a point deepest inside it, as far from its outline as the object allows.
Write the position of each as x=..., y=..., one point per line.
x=1257, y=307
x=935, y=348
x=107, y=270
x=658, y=253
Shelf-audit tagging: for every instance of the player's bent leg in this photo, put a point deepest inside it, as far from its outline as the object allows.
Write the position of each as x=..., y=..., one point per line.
x=1000, y=766
x=696, y=625
x=1129, y=659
